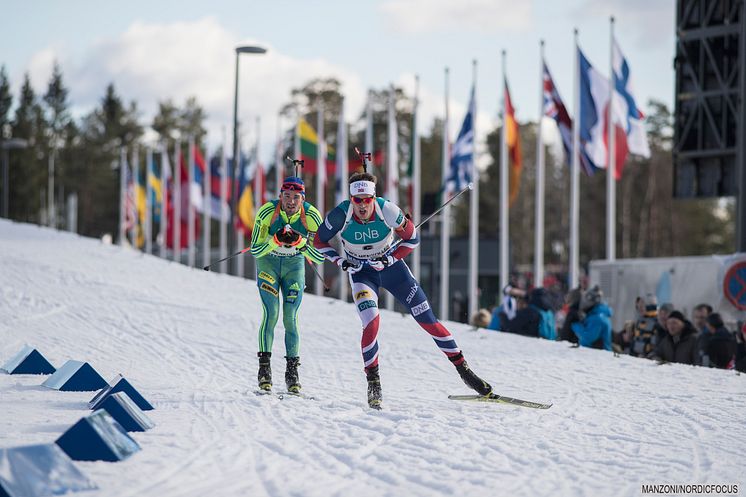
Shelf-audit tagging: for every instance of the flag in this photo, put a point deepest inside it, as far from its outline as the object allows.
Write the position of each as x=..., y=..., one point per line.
x=594, y=99
x=165, y=198
x=188, y=201
x=139, y=197
x=245, y=206
x=555, y=109
x=260, y=183
x=309, y=144
x=156, y=194
x=196, y=195
x=633, y=137
x=513, y=140
x=130, y=206
x=462, y=152
x=392, y=155
x=216, y=207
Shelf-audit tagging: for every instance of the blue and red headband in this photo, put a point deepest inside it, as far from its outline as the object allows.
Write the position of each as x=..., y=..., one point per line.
x=293, y=184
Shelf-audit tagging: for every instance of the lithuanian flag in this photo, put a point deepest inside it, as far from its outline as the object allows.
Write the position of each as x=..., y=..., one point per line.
x=309, y=143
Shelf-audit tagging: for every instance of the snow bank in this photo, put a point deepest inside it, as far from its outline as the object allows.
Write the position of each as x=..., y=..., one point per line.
x=187, y=340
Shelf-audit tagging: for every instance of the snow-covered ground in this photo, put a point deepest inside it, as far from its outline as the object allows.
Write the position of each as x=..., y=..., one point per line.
x=187, y=340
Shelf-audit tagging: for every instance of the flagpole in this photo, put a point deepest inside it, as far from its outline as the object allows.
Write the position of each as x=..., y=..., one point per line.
x=164, y=200
x=177, y=202
x=342, y=176
x=392, y=165
x=318, y=283
x=369, y=126
x=135, y=182
x=416, y=172
x=445, y=218
x=240, y=265
x=258, y=179
x=223, y=202
x=573, y=276
x=148, y=202
x=504, y=219
x=190, y=206
x=206, y=209
x=122, y=195
x=473, y=293
x=296, y=141
x=610, y=171
x=392, y=153
x=540, y=173
x=259, y=186
x=278, y=155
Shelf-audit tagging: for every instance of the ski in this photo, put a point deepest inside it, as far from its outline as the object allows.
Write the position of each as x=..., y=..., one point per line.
x=500, y=399
x=282, y=395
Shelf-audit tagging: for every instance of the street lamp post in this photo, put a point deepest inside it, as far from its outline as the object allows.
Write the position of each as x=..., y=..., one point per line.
x=235, y=161
x=6, y=145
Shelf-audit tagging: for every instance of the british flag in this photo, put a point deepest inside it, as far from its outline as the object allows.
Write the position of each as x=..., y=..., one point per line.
x=555, y=108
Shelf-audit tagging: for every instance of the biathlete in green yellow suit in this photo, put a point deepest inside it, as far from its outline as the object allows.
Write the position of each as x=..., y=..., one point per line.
x=282, y=236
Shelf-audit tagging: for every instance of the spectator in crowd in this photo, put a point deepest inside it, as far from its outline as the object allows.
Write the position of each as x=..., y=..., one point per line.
x=741, y=348
x=721, y=345
x=663, y=311
x=680, y=343
x=481, y=319
x=621, y=341
x=534, y=315
x=571, y=310
x=508, y=308
x=646, y=330
x=699, y=318
x=594, y=328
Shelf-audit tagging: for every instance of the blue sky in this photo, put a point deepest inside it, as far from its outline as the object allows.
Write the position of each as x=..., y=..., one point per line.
x=160, y=49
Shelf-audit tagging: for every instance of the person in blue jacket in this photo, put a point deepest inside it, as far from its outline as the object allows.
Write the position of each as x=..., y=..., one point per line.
x=594, y=328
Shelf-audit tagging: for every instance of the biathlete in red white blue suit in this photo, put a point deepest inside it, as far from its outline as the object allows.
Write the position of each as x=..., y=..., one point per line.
x=366, y=225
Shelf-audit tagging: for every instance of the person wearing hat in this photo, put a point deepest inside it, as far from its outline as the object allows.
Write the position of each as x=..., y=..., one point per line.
x=366, y=225
x=281, y=239
x=680, y=343
x=646, y=329
x=594, y=328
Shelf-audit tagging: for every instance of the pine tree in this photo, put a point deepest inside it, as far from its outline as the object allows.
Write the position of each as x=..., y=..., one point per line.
x=6, y=100
x=28, y=167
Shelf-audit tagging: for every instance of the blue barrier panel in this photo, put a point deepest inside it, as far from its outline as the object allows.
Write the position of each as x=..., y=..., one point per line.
x=126, y=412
x=28, y=361
x=75, y=376
x=97, y=437
x=39, y=470
x=120, y=384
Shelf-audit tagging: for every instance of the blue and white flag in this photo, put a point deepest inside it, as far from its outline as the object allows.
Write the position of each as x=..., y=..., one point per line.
x=462, y=153
x=626, y=107
x=594, y=99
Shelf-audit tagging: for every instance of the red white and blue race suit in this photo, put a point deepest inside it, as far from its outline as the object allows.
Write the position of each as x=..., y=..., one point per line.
x=364, y=241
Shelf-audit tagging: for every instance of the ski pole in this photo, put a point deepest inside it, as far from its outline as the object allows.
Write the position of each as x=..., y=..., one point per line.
x=315, y=270
x=470, y=186
x=207, y=268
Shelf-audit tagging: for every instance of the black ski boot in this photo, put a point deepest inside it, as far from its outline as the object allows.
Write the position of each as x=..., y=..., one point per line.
x=374, y=388
x=291, y=374
x=265, y=371
x=472, y=380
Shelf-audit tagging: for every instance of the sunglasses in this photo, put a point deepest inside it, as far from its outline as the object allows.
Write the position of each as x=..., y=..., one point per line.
x=294, y=187
x=363, y=200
